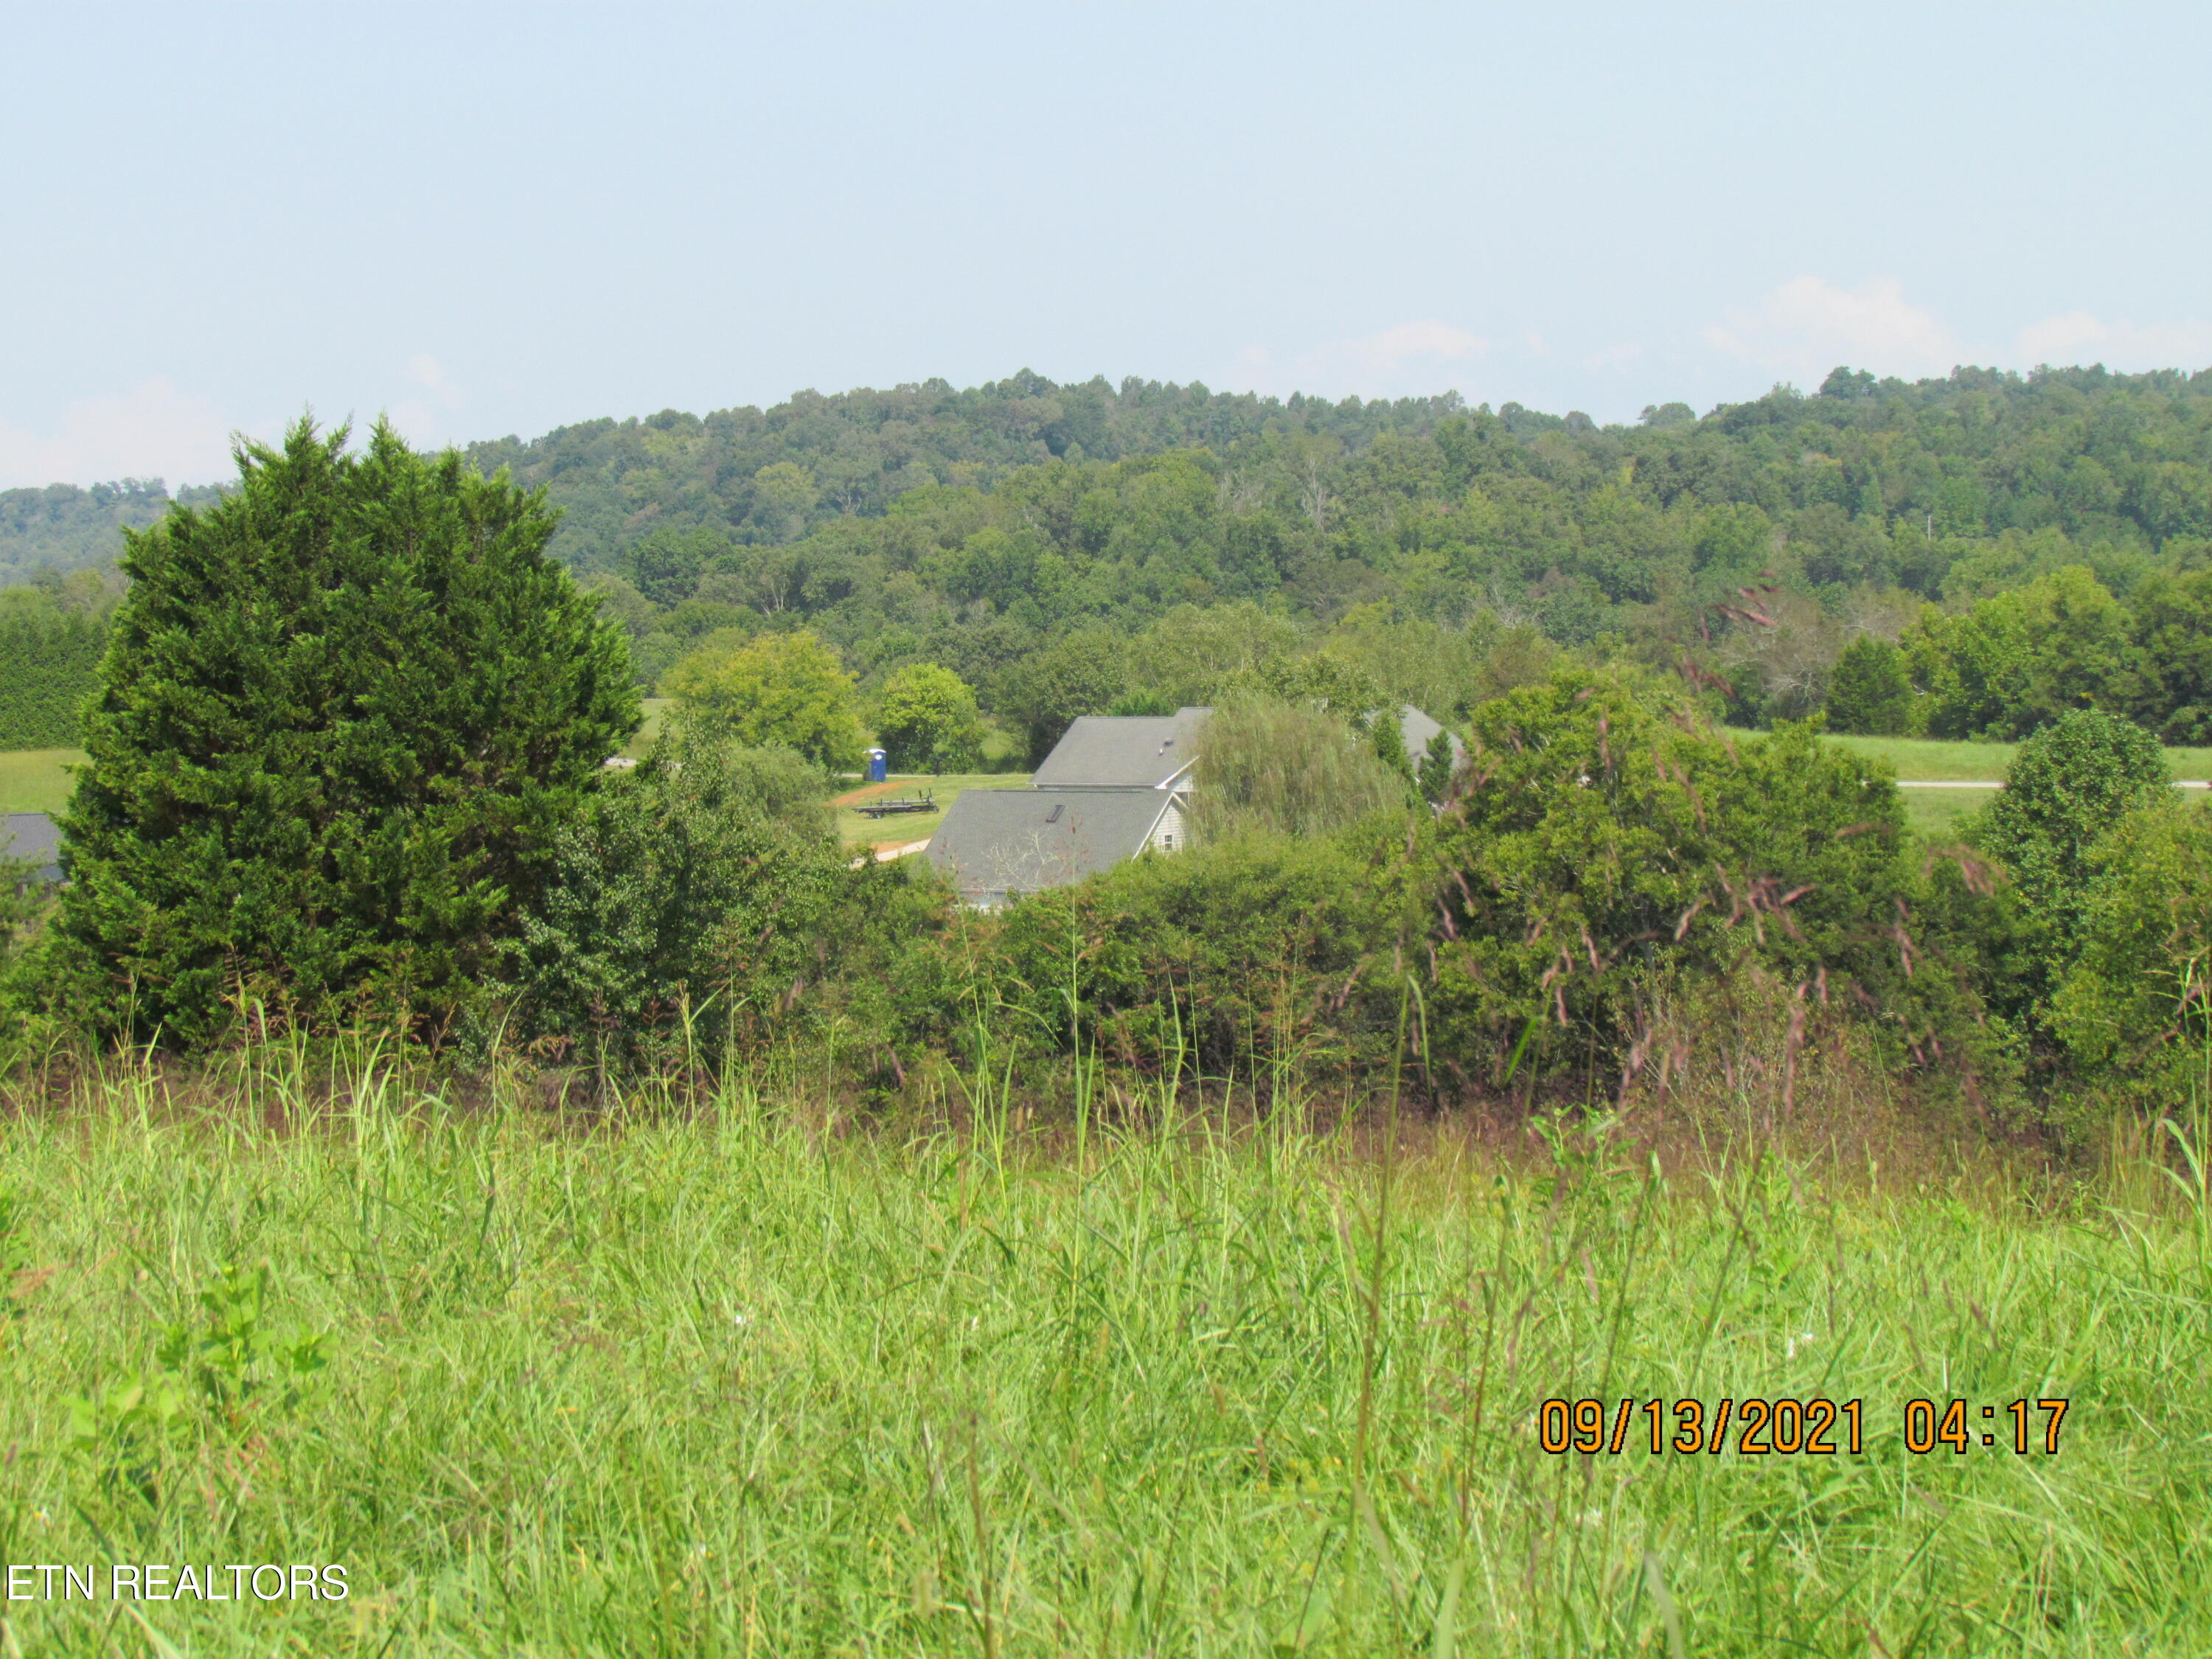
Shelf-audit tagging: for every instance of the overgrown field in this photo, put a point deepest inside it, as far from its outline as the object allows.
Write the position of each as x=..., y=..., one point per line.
x=715, y=1375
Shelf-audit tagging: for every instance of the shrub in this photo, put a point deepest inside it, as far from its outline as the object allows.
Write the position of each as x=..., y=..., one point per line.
x=1598, y=842
x=1869, y=692
x=705, y=882
x=343, y=712
x=2068, y=786
x=1242, y=952
x=2135, y=1009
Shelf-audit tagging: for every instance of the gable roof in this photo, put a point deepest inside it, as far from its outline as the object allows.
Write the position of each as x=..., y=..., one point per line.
x=1418, y=728
x=1123, y=751
x=997, y=842
x=34, y=836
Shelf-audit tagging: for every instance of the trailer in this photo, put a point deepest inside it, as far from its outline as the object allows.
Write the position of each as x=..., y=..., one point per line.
x=925, y=802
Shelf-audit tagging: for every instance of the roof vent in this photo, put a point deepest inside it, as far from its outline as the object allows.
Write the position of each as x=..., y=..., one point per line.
x=1053, y=816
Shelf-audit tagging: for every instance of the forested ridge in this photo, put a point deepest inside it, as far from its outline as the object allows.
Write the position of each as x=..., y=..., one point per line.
x=980, y=527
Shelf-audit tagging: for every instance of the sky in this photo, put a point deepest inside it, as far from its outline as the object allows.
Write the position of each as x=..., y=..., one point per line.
x=484, y=219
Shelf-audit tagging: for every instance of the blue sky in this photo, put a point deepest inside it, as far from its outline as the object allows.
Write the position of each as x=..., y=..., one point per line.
x=487, y=219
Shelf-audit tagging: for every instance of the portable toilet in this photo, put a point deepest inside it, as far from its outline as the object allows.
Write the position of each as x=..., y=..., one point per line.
x=878, y=766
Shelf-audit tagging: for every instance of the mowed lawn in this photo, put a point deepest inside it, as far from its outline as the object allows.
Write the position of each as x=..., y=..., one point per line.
x=1928, y=758
x=857, y=828
x=37, y=779
x=708, y=1379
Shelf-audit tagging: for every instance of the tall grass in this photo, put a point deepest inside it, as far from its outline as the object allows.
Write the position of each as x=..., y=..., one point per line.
x=697, y=1374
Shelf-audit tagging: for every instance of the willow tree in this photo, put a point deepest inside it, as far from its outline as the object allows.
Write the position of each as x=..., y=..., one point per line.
x=342, y=714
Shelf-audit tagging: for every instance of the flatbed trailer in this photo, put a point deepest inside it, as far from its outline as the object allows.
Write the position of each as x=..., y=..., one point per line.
x=926, y=802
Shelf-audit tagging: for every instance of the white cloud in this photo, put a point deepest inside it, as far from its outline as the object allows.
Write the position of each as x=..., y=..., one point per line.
x=1406, y=359
x=2080, y=338
x=429, y=373
x=426, y=421
x=1807, y=326
x=154, y=431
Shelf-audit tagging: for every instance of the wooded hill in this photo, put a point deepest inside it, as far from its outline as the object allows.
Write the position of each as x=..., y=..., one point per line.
x=975, y=527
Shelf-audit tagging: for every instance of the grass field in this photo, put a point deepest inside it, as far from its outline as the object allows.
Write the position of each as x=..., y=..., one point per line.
x=1928, y=758
x=714, y=1380
x=656, y=711
x=36, y=780
x=919, y=826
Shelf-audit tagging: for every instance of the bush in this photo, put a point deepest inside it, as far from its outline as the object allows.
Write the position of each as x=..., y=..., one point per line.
x=2068, y=786
x=343, y=713
x=705, y=884
x=1869, y=692
x=2135, y=1010
x=1239, y=953
x=1599, y=843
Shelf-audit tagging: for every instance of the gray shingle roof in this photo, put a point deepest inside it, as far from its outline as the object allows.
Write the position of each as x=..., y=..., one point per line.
x=1122, y=751
x=997, y=842
x=36, y=836
x=1418, y=728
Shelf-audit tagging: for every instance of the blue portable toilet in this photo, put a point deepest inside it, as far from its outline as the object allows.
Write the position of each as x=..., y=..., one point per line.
x=878, y=766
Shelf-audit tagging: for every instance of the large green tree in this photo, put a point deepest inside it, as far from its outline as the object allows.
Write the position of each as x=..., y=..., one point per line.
x=778, y=690
x=343, y=712
x=926, y=720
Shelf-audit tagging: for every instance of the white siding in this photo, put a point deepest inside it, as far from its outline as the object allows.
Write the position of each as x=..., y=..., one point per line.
x=1169, y=835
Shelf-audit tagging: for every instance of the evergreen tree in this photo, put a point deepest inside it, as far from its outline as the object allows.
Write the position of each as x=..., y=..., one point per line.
x=2068, y=786
x=344, y=712
x=1870, y=692
x=1437, y=765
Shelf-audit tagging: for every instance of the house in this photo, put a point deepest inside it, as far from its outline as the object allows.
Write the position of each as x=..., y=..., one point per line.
x=1125, y=752
x=997, y=844
x=36, y=839
x=1418, y=730
x=1114, y=786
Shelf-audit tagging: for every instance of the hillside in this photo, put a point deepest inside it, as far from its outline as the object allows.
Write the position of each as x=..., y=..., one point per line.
x=2103, y=458
x=979, y=528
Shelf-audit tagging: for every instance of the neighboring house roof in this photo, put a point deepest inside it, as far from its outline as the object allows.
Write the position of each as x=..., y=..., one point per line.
x=1418, y=728
x=1123, y=751
x=34, y=836
x=994, y=842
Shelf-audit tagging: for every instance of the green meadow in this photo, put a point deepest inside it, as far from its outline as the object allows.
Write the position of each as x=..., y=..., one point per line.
x=856, y=828
x=723, y=1372
x=37, y=779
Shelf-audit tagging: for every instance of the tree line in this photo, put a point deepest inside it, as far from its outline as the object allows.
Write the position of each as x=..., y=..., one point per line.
x=346, y=770
x=1007, y=534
